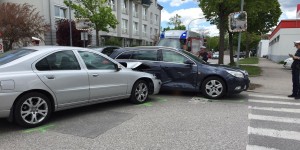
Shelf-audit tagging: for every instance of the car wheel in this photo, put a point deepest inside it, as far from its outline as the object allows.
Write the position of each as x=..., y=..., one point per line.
x=140, y=91
x=213, y=87
x=32, y=110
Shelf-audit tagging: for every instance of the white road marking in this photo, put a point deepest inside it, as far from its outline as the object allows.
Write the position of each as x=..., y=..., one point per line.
x=275, y=119
x=255, y=147
x=270, y=96
x=273, y=102
x=289, y=110
x=291, y=135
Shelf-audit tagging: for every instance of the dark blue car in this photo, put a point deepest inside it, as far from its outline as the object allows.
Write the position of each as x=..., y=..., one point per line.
x=181, y=70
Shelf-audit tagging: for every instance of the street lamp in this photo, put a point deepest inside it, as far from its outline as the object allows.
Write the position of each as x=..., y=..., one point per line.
x=193, y=20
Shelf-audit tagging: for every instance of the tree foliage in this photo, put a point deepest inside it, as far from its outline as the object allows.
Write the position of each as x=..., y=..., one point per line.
x=176, y=22
x=63, y=34
x=97, y=11
x=217, y=12
x=19, y=22
x=262, y=16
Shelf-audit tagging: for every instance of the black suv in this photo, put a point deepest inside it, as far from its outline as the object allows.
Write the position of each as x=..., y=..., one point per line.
x=181, y=70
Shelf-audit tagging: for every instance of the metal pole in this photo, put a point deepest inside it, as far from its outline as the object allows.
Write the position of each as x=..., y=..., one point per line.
x=240, y=36
x=193, y=20
x=70, y=24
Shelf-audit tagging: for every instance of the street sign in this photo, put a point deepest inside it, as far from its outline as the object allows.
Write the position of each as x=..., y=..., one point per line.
x=84, y=36
x=237, y=21
x=83, y=24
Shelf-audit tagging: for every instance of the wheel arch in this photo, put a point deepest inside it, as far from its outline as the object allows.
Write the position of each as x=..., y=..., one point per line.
x=214, y=75
x=46, y=93
x=150, y=84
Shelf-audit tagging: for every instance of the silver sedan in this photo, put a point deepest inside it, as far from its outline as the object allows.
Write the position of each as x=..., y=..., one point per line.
x=36, y=81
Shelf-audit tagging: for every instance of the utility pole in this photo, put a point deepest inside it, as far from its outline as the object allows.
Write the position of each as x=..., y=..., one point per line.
x=240, y=36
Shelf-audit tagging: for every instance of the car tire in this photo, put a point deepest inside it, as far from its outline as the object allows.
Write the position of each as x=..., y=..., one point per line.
x=32, y=110
x=140, y=92
x=213, y=87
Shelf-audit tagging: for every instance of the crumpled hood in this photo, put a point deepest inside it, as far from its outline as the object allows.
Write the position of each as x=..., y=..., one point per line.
x=133, y=65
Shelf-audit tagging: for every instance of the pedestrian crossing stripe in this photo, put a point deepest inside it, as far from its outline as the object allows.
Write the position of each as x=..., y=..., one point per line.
x=291, y=135
x=270, y=96
x=274, y=119
x=273, y=102
x=288, y=110
x=255, y=147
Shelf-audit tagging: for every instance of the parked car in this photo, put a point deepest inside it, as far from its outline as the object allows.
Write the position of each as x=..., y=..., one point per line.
x=107, y=50
x=215, y=55
x=36, y=81
x=181, y=70
x=242, y=55
x=288, y=63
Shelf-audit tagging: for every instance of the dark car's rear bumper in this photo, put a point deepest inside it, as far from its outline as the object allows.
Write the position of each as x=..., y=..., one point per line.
x=237, y=85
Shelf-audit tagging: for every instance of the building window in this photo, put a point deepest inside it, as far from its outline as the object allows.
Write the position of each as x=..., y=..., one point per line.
x=155, y=32
x=135, y=10
x=144, y=13
x=124, y=26
x=151, y=18
x=151, y=33
x=135, y=28
x=124, y=7
x=112, y=4
x=156, y=20
x=144, y=30
x=60, y=12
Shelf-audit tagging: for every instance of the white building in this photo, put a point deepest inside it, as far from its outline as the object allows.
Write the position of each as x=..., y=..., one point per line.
x=282, y=38
x=138, y=22
x=263, y=48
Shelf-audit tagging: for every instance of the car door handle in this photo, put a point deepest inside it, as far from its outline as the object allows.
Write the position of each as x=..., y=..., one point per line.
x=50, y=77
x=95, y=75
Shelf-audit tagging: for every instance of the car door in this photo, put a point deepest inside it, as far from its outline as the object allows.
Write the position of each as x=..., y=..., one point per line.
x=105, y=80
x=176, y=74
x=149, y=58
x=61, y=72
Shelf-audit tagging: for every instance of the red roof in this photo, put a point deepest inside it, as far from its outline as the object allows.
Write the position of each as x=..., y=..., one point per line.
x=294, y=23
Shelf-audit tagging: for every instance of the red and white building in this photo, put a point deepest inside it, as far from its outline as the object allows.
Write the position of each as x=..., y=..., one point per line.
x=282, y=38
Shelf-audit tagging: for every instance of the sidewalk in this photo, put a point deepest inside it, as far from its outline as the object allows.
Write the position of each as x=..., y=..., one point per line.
x=274, y=79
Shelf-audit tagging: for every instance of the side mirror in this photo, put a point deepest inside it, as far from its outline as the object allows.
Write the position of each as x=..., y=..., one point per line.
x=117, y=67
x=189, y=62
x=237, y=21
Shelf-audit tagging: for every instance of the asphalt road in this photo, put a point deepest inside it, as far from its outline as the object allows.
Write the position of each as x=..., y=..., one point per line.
x=167, y=121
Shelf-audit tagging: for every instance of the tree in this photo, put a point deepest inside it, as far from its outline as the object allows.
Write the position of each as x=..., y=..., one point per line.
x=63, y=34
x=97, y=11
x=217, y=12
x=19, y=22
x=262, y=16
x=175, y=21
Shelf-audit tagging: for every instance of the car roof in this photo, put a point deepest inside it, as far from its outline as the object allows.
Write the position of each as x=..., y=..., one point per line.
x=51, y=48
x=147, y=48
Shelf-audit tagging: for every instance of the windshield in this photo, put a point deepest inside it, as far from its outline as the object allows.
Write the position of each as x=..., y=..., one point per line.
x=175, y=43
x=194, y=57
x=13, y=55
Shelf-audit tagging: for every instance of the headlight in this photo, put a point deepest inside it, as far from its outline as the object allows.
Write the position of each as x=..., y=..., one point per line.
x=245, y=72
x=236, y=74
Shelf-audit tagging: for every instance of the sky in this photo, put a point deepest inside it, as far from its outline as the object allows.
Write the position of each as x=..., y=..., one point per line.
x=190, y=11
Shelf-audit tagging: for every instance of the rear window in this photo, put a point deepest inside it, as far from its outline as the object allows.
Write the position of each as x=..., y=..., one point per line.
x=13, y=55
